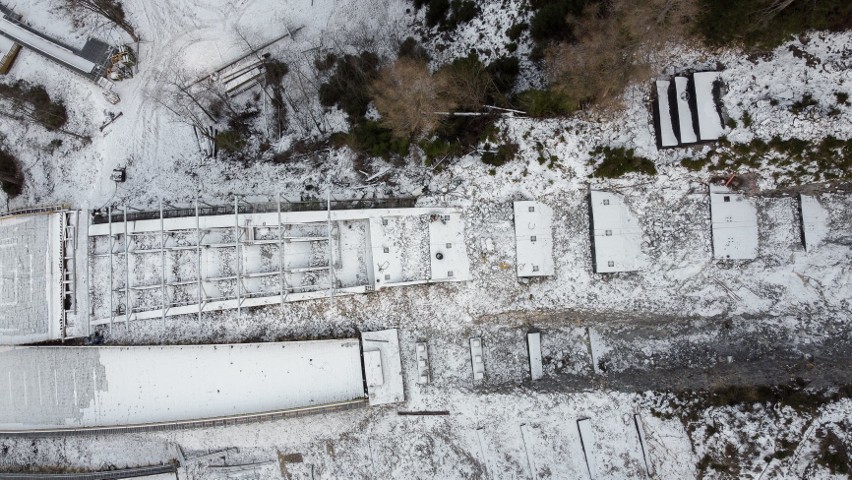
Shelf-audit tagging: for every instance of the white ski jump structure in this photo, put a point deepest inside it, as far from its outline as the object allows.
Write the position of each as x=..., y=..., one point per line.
x=188, y=265
x=56, y=390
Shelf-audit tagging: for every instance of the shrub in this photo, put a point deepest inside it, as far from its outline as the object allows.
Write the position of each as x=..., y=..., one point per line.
x=546, y=103
x=696, y=165
x=372, y=139
x=349, y=86
x=11, y=177
x=436, y=11
x=618, y=161
x=842, y=98
x=800, y=105
x=411, y=48
x=275, y=71
x=514, y=32
x=325, y=63
x=504, y=153
x=230, y=141
x=504, y=72
x=35, y=104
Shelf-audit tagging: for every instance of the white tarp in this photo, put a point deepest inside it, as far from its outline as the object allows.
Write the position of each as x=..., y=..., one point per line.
x=667, y=134
x=709, y=120
x=684, y=112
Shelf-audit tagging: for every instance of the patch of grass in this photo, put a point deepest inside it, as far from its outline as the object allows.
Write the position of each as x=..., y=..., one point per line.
x=619, y=161
x=747, y=120
x=546, y=103
x=696, y=164
x=842, y=98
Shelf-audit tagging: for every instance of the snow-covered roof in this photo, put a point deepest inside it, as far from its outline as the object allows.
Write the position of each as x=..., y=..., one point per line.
x=283, y=257
x=666, y=133
x=617, y=235
x=814, y=222
x=44, y=46
x=684, y=111
x=710, y=125
x=734, y=220
x=60, y=388
x=381, y=351
x=534, y=239
x=447, y=251
x=31, y=278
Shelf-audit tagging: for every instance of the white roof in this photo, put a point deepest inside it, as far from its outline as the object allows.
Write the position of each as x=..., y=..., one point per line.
x=30, y=284
x=44, y=46
x=734, y=220
x=534, y=347
x=667, y=133
x=446, y=237
x=386, y=344
x=373, y=368
x=709, y=120
x=617, y=234
x=534, y=239
x=84, y=387
x=814, y=222
x=684, y=112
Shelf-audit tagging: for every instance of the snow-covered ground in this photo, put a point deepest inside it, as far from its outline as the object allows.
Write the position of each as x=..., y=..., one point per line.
x=507, y=428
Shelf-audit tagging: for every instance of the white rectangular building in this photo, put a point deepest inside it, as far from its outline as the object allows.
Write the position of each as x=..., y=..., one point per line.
x=734, y=222
x=534, y=239
x=666, y=134
x=616, y=234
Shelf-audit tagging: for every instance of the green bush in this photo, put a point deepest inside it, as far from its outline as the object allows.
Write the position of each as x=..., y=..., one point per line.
x=349, y=86
x=722, y=22
x=546, y=103
x=230, y=141
x=504, y=153
x=842, y=98
x=550, y=20
x=696, y=165
x=514, y=32
x=411, y=48
x=436, y=11
x=11, y=177
x=504, y=72
x=371, y=138
x=617, y=162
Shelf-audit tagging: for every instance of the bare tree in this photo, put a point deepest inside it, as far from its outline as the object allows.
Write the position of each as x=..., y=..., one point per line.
x=408, y=97
x=112, y=10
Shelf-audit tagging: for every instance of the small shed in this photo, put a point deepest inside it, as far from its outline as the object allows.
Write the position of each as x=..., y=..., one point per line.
x=734, y=223
x=814, y=222
x=616, y=234
x=534, y=239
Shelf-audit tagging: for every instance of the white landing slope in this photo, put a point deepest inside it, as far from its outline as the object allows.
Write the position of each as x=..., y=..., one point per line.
x=61, y=388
